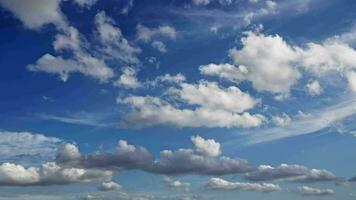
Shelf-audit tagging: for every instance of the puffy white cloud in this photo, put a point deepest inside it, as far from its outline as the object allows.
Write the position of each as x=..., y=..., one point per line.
x=268, y=63
x=21, y=144
x=314, y=88
x=309, y=191
x=148, y=111
x=128, y=79
x=210, y=95
x=272, y=65
x=48, y=174
x=108, y=186
x=221, y=184
x=177, y=184
x=282, y=120
x=188, y=161
x=36, y=13
x=206, y=147
x=210, y=106
x=296, y=173
x=68, y=153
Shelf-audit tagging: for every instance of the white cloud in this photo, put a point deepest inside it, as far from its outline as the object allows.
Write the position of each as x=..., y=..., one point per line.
x=167, y=78
x=309, y=191
x=221, y=184
x=36, y=13
x=177, y=184
x=282, y=120
x=351, y=77
x=113, y=43
x=154, y=35
x=67, y=153
x=14, y=144
x=48, y=174
x=314, y=88
x=108, y=186
x=85, y=3
x=272, y=65
x=147, y=34
x=209, y=95
x=128, y=79
x=160, y=46
x=268, y=63
x=296, y=173
x=84, y=64
x=148, y=111
x=206, y=147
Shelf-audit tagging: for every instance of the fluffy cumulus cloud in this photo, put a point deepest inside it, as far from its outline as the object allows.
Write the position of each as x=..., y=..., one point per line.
x=148, y=111
x=206, y=147
x=309, y=191
x=265, y=61
x=200, y=160
x=48, y=174
x=295, y=173
x=211, y=96
x=19, y=145
x=128, y=79
x=314, y=88
x=71, y=166
x=221, y=184
x=211, y=106
x=272, y=65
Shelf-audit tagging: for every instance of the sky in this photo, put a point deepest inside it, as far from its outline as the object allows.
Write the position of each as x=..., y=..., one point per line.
x=177, y=99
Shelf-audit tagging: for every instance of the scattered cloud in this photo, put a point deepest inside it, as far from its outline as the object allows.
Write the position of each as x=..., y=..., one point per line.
x=108, y=186
x=314, y=88
x=309, y=191
x=128, y=79
x=221, y=184
x=295, y=173
x=176, y=184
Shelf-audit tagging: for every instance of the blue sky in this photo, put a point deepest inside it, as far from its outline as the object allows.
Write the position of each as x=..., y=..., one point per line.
x=177, y=99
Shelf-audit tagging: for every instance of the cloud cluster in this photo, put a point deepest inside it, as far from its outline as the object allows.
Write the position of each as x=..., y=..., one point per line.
x=208, y=108
x=71, y=166
x=48, y=174
x=272, y=65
